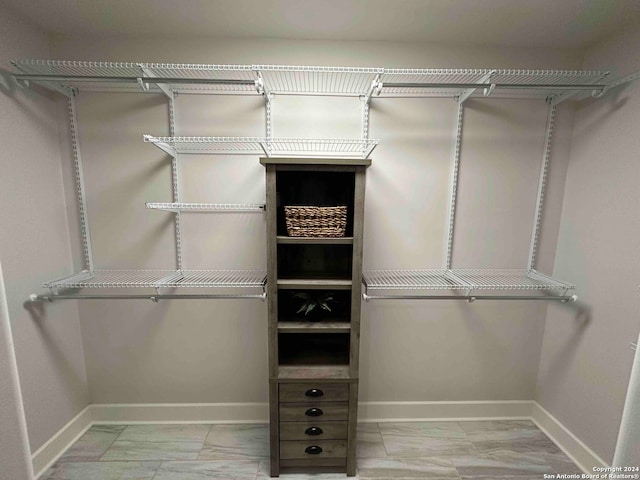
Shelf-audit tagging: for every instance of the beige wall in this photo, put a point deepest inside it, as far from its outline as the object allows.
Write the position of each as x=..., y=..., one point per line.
x=34, y=244
x=586, y=359
x=216, y=351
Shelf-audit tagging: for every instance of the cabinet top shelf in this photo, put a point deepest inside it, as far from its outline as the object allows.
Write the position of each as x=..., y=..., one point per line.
x=302, y=80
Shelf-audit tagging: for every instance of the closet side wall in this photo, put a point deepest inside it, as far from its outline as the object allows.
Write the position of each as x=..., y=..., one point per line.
x=35, y=243
x=586, y=359
x=215, y=351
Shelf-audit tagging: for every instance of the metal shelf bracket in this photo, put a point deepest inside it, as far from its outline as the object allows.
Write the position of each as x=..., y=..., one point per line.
x=487, y=90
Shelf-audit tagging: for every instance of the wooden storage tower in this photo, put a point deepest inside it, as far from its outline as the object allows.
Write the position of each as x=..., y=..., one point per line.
x=313, y=365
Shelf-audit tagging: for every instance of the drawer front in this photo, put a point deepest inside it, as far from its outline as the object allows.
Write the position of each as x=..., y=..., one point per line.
x=314, y=449
x=304, y=412
x=313, y=431
x=308, y=392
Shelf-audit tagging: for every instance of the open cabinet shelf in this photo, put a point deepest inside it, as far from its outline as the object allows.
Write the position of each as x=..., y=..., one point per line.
x=297, y=373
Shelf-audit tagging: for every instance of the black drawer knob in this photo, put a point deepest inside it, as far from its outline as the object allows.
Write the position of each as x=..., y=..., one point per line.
x=314, y=393
x=314, y=412
x=313, y=431
x=313, y=450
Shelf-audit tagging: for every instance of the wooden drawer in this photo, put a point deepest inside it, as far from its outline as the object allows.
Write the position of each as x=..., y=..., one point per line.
x=313, y=431
x=304, y=412
x=313, y=449
x=313, y=393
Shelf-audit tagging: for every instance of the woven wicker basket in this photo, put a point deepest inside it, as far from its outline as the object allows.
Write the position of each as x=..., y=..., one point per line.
x=316, y=221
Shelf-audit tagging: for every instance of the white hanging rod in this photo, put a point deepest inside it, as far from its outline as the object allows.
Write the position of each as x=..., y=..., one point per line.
x=470, y=298
x=154, y=298
x=98, y=78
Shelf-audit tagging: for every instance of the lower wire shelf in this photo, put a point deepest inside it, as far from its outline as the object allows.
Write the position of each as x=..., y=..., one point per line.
x=229, y=280
x=460, y=284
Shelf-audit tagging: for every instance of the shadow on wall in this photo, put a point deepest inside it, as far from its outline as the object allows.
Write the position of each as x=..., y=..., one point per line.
x=8, y=84
x=580, y=313
x=38, y=314
x=614, y=99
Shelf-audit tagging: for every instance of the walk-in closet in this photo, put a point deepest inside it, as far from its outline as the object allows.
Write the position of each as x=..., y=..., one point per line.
x=380, y=240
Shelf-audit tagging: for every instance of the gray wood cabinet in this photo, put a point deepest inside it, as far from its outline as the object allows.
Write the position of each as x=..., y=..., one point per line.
x=313, y=363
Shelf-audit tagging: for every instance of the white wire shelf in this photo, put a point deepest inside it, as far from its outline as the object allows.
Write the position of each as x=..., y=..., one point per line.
x=280, y=147
x=160, y=279
x=314, y=80
x=462, y=279
x=207, y=207
x=120, y=76
x=302, y=80
x=508, y=83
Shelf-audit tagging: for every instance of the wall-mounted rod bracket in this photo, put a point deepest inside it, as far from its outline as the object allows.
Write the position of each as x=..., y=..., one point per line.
x=374, y=89
x=616, y=83
x=558, y=99
x=148, y=77
x=260, y=85
x=142, y=84
x=487, y=90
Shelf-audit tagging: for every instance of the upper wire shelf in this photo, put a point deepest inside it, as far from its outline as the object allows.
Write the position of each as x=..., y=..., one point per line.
x=462, y=280
x=160, y=279
x=119, y=76
x=285, y=147
x=481, y=82
x=305, y=80
x=207, y=207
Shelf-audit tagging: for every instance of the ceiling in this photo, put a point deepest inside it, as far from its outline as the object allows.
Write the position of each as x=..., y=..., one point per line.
x=517, y=23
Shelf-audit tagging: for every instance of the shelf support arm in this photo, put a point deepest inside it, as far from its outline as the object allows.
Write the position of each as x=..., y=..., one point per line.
x=542, y=184
x=148, y=75
x=165, y=147
x=487, y=91
x=454, y=185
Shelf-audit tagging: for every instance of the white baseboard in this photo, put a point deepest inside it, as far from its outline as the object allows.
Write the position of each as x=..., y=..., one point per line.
x=575, y=448
x=220, y=413
x=442, y=411
x=48, y=453
x=131, y=413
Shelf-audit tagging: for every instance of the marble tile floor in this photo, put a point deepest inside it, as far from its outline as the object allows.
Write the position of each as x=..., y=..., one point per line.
x=489, y=450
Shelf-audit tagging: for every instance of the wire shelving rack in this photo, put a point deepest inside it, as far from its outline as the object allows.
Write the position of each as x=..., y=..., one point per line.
x=270, y=147
x=486, y=82
x=463, y=280
x=68, y=77
x=160, y=279
x=305, y=80
x=207, y=207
